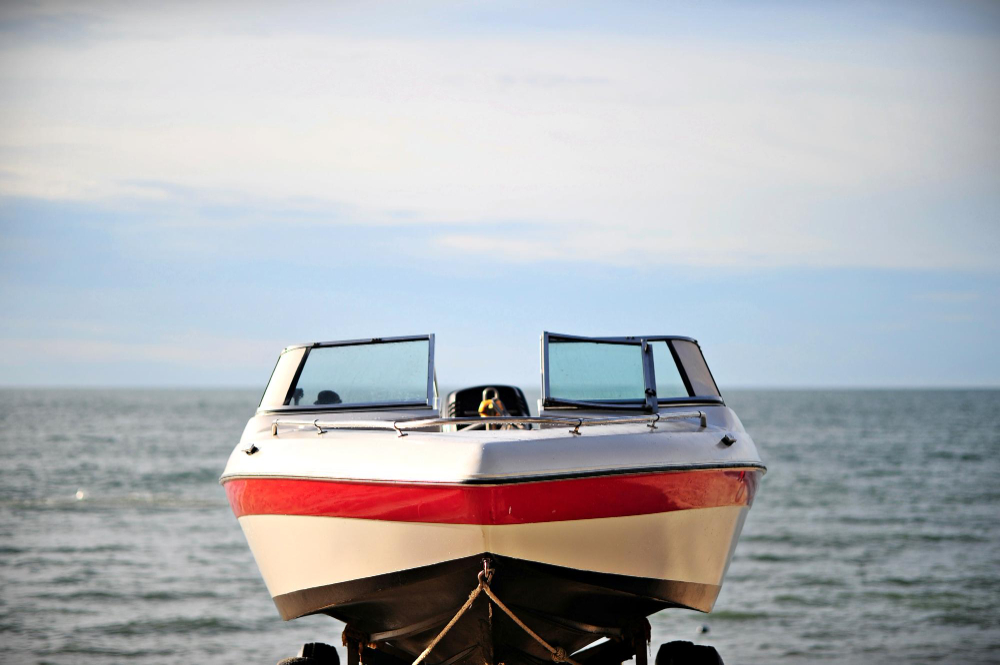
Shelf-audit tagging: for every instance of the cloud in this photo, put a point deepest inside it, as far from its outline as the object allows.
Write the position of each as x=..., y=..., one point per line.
x=785, y=231
x=203, y=351
x=608, y=148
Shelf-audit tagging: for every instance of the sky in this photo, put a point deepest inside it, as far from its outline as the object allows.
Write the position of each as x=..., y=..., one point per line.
x=812, y=190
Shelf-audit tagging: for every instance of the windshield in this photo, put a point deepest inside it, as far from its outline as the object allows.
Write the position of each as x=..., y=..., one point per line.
x=669, y=383
x=624, y=372
x=354, y=374
x=595, y=371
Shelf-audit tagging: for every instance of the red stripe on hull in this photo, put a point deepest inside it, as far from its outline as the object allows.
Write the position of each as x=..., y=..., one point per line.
x=517, y=503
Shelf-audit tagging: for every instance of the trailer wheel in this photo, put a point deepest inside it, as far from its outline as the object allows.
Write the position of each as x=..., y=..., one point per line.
x=686, y=653
x=313, y=653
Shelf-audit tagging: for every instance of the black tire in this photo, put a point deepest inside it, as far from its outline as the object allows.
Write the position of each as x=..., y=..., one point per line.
x=319, y=653
x=313, y=653
x=686, y=653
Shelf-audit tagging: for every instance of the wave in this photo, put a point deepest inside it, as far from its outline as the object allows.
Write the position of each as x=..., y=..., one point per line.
x=144, y=596
x=179, y=625
x=206, y=476
x=90, y=502
x=77, y=649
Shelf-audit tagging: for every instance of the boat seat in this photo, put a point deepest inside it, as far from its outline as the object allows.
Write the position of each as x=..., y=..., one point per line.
x=327, y=397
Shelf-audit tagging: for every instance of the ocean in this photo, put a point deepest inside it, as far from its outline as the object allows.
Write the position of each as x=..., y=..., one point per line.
x=875, y=535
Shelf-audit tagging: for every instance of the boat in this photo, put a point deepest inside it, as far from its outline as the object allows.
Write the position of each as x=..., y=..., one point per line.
x=469, y=531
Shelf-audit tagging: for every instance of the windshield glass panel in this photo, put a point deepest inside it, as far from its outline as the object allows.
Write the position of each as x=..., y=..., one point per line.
x=701, y=379
x=595, y=371
x=668, y=378
x=386, y=372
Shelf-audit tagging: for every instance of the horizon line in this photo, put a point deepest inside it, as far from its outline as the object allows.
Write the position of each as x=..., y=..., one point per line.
x=443, y=391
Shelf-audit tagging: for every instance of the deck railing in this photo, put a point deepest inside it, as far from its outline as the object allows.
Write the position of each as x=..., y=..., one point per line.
x=402, y=426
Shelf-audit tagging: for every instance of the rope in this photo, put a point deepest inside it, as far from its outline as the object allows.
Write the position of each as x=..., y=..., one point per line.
x=559, y=654
x=454, y=620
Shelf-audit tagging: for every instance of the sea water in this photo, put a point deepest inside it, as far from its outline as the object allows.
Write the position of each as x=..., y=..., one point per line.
x=875, y=535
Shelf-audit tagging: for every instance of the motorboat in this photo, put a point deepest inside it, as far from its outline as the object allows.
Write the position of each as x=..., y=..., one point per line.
x=472, y=531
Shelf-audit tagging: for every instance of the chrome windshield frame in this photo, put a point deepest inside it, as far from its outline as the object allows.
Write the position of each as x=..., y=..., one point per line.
x=651, y=403
x=430, y=402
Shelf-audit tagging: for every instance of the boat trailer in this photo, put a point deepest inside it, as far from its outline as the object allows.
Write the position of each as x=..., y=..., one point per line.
x=620, y=645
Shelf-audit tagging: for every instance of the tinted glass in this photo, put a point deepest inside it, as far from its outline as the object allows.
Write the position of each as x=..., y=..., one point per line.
x=668, y=378
x=281, y=377
x=595, y=371
x=695, y=367
x=388, y=372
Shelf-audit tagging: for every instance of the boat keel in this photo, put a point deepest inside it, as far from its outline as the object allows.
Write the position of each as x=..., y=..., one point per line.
x=539, y=622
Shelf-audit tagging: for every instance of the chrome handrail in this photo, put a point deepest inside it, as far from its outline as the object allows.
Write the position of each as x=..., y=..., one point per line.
x=322, y=426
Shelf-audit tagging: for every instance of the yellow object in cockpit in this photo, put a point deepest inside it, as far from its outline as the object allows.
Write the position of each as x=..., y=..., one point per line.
x=491, y=406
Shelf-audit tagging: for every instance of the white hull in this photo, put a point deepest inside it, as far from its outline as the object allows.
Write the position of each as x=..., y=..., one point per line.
x=296, y=552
